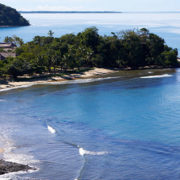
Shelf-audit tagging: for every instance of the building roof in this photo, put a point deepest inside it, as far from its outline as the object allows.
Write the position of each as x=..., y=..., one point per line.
x=7, y=45
x=8, y=54
x=4, y=55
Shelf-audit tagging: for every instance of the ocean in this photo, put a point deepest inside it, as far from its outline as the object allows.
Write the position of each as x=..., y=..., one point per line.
x=167, y=25
x=123, y=126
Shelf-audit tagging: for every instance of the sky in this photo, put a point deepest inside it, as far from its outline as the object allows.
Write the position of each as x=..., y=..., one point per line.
x=106, y=5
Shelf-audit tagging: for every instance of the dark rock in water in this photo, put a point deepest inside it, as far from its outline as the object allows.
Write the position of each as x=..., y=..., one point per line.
x=7, y=167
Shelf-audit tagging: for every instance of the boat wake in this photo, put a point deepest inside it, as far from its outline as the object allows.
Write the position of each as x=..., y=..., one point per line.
x=83, y=152
x=156, y=76
x=51, y=129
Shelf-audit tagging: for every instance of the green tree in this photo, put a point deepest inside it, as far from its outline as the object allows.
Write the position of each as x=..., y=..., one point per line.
x=15, y=39
x=50, y=33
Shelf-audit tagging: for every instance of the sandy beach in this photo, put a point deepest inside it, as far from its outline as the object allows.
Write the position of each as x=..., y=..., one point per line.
x=88, y=74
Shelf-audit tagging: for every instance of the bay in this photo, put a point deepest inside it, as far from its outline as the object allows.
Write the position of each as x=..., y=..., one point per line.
x=122, y=128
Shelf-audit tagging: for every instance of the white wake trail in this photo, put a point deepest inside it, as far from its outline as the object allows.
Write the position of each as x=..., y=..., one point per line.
x=83, y=152
x=51, y=129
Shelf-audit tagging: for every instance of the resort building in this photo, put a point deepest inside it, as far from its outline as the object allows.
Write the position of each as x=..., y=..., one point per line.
x=7, y=50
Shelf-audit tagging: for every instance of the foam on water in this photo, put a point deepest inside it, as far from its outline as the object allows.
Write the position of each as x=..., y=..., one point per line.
x=9, y=154
x=15, y=175
x=156, y=76
x=83, y=152
x=51, y=129
x=2, y=100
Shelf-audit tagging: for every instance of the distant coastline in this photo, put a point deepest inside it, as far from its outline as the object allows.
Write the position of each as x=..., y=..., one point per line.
x=78, y=12
x=100, y=12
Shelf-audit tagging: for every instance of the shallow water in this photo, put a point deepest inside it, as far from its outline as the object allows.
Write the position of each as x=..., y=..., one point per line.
x=122, y=128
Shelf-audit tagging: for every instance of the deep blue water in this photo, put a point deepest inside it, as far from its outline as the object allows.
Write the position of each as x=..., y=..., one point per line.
x=129, y=127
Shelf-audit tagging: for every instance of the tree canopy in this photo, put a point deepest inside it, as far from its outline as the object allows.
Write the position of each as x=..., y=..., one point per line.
x=127, y=49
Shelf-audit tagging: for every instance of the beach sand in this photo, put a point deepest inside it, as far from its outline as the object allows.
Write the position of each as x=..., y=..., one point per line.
x=88, y=74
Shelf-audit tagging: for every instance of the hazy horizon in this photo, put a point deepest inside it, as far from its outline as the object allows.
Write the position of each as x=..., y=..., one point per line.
x=99, y=11
x=94, y=5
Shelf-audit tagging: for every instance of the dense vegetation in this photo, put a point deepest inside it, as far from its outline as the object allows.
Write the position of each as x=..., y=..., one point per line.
x=133, y=48
x=10, y=17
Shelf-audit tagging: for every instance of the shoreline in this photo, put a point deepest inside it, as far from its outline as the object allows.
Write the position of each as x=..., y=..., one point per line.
x=10, y=85
x=55, y=79
x=7, y=167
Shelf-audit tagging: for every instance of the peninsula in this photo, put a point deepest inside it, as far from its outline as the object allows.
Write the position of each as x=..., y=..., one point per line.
x=10, y=17
x=48, y=59
x=79, y=12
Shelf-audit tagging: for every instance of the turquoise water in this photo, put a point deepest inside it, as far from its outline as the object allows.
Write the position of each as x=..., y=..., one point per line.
x=123, y=127
x=126, y=128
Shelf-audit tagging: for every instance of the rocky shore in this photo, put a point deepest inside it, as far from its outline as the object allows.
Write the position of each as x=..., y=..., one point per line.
x=8, y=167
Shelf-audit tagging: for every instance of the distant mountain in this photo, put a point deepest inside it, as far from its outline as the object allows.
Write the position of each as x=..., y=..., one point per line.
x=69, y=11
x=10, y=17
